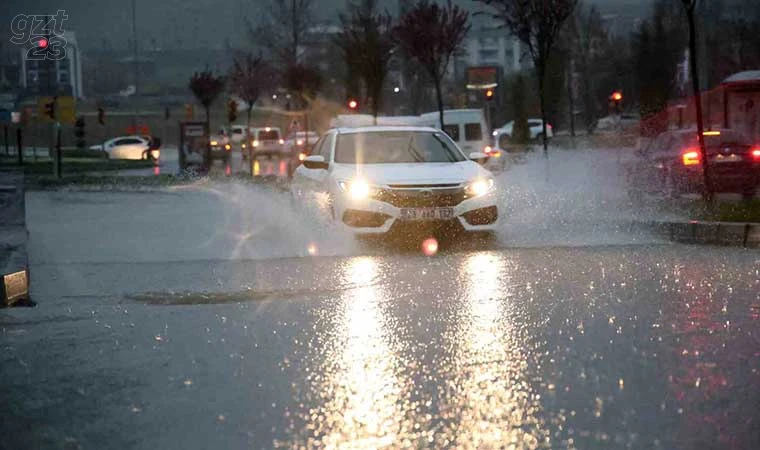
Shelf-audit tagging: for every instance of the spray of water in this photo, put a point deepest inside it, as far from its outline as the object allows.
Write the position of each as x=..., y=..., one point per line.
x=575, y=197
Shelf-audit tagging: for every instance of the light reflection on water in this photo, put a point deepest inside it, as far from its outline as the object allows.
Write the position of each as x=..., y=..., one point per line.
x=363, y=396
x=372, y=395
x=492, y=405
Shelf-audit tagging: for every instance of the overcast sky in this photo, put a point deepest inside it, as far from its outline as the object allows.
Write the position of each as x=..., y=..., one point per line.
x=195, y=23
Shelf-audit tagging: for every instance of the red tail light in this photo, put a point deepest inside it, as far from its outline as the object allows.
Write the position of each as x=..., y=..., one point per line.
x=690, y=157
x=755, y=152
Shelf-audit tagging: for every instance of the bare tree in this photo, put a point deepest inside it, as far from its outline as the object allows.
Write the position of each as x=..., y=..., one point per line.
x=282, y=28
x=690, y=6
x=537, y=24
x=367, y=45
x=430, y=35
x=587, y=38
x=249, y=77
x=206, y=87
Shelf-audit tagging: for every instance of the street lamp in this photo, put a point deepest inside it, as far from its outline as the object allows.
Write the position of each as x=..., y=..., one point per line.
x=397, y=89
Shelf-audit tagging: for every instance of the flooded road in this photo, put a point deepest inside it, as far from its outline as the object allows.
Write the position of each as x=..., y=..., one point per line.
x=607, y=347
x=219, y=316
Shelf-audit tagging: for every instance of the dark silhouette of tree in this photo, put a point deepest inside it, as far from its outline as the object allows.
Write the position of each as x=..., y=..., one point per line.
x=520, y=130
x=281, y=28
x=658, y=48
x=587, y=44
x=537, y=24
x=206, y=87
x=430, y=34
x=303, y=83
x=367, y=45
x=689, y=7
x=249, y=77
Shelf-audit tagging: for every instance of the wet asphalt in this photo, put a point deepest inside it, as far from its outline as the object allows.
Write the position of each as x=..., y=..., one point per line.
x=158, y=328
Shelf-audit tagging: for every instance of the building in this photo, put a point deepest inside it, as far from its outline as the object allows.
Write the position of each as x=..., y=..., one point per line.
x=490, y=46
x=46, y=77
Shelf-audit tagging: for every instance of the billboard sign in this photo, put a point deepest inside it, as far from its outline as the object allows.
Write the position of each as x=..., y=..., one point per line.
x=482, y=77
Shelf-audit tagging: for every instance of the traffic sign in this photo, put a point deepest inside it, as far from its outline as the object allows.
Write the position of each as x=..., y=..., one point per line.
x=65, y=109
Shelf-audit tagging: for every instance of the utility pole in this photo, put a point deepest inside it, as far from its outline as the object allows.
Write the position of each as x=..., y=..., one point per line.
x=690, y=6
x=134, y=57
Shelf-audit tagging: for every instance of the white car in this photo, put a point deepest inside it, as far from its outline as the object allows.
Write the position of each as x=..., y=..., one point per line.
x=534, y=125
x=267, y=140
x=128, y=147
x=375, y=178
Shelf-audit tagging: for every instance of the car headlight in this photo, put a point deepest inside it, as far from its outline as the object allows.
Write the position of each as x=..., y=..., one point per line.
x=479, y=187
x=356, y=189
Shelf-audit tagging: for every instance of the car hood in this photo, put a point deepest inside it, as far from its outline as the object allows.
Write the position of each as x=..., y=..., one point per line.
x=412, y=173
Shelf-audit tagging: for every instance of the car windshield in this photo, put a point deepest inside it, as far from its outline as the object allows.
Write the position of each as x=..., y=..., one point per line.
x=392, y=147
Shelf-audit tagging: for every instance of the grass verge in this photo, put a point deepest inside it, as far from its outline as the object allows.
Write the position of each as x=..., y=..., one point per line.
x=744, y=211
x=76, y=165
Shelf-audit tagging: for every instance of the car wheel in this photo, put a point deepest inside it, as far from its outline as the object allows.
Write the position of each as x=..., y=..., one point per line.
x=540, y=137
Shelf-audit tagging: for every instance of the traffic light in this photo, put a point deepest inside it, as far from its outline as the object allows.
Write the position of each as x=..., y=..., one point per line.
x=50, y=108
x=232, y=111
x=489, y=95
x=101, y=116
x=353, y=104
x=616, y=96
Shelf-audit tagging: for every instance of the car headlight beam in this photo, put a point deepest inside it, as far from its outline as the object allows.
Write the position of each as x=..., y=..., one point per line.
x=357, y=189
x=479, y=187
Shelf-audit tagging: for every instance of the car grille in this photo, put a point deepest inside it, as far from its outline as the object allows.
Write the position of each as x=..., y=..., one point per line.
x=422, y=197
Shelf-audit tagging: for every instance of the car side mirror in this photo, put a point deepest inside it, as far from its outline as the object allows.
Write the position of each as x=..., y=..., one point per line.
x=315, y=162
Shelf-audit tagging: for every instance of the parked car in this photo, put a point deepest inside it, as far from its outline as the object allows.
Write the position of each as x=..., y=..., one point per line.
x=535, y=129
x=672, y=165
x=617, y=122
x=389, y=176
x=130, y=147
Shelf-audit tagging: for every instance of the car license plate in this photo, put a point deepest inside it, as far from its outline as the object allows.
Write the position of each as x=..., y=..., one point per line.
x=427, y=213
x=727, y=158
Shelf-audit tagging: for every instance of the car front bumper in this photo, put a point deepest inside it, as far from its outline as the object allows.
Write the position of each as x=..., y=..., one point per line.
x=370, y=216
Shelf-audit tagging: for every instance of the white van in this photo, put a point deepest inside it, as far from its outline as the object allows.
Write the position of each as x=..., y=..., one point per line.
x=467, y=127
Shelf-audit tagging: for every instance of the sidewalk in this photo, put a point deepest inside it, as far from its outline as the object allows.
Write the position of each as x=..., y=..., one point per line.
x=14, y=285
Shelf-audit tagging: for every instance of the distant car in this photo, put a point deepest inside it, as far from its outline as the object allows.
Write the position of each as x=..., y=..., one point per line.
x=617, y=122
x=237, y=135
x=389, y=176
x=301, y=140
x=671, y=164
x=267, y=140
x=534, y=126
x=130, y=147
x=220, y=147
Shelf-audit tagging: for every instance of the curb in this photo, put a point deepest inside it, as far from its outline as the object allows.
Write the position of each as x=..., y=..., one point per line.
x=14, y=263
x=735, y=234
